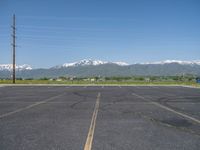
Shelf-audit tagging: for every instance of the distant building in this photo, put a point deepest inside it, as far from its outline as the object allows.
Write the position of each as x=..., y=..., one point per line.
x=92, y=80
x=198, y=79
x=58, y=79
x=147, y=79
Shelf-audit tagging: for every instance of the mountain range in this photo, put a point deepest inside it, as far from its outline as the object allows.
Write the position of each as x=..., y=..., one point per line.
x=88, y=67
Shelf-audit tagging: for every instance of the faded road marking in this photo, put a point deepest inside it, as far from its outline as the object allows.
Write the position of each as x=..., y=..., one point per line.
x=30, y=106
x=88, y=144
x=169, y=109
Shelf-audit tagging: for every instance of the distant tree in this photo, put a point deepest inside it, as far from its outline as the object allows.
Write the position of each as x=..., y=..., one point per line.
x=63, y=78
x=19, y=79
x=29, y=79
x=140, y=78
x=44, y=78
x=153, y=78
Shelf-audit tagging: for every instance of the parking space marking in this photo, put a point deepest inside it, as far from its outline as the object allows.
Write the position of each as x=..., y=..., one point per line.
x=88, y=144
x=30, y=106
x=193, y=87
x=167, y=108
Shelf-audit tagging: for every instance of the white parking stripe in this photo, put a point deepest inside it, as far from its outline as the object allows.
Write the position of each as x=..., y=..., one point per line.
x=30, y=106
x=169, y=109
x=193, y=87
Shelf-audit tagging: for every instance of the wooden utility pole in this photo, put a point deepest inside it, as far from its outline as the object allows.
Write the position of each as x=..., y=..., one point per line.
x=13, y=46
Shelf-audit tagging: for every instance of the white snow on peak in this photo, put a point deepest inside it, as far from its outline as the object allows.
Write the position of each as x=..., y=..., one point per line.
x=87, y=62
x=84, y=62
x=9, y=67
x=193, y=62
x=121, y=63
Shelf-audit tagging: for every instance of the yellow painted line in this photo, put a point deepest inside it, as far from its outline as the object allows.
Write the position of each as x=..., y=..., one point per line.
x=88, y=143
x=29, y=106
x=169, y=109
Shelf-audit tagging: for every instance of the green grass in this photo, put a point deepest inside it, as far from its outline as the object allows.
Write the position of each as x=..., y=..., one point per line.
x=79, y=82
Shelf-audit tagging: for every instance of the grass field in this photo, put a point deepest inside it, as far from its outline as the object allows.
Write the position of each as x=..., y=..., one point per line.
x=101, y=82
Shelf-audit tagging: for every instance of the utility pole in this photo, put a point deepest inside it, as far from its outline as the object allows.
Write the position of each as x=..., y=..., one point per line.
x=13, y=46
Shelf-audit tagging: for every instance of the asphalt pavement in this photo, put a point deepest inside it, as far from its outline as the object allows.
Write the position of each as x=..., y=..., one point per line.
x=99, y=118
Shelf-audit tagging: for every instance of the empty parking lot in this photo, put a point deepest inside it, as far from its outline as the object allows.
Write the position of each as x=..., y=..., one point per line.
x=99, y=118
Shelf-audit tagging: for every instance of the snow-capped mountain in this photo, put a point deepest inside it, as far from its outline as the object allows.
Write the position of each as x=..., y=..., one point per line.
x=193, y=62
x=9, y=67
x=106, y=68
x=120, y=63
x=87, y=62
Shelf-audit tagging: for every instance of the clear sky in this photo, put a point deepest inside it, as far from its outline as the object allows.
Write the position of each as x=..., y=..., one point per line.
x=52, y=32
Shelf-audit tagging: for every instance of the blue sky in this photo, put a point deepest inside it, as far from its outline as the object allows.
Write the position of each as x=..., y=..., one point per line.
x=52, y=32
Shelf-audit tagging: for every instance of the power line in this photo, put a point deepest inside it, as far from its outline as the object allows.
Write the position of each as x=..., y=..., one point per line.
x=56, y=18
x=61, y=28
